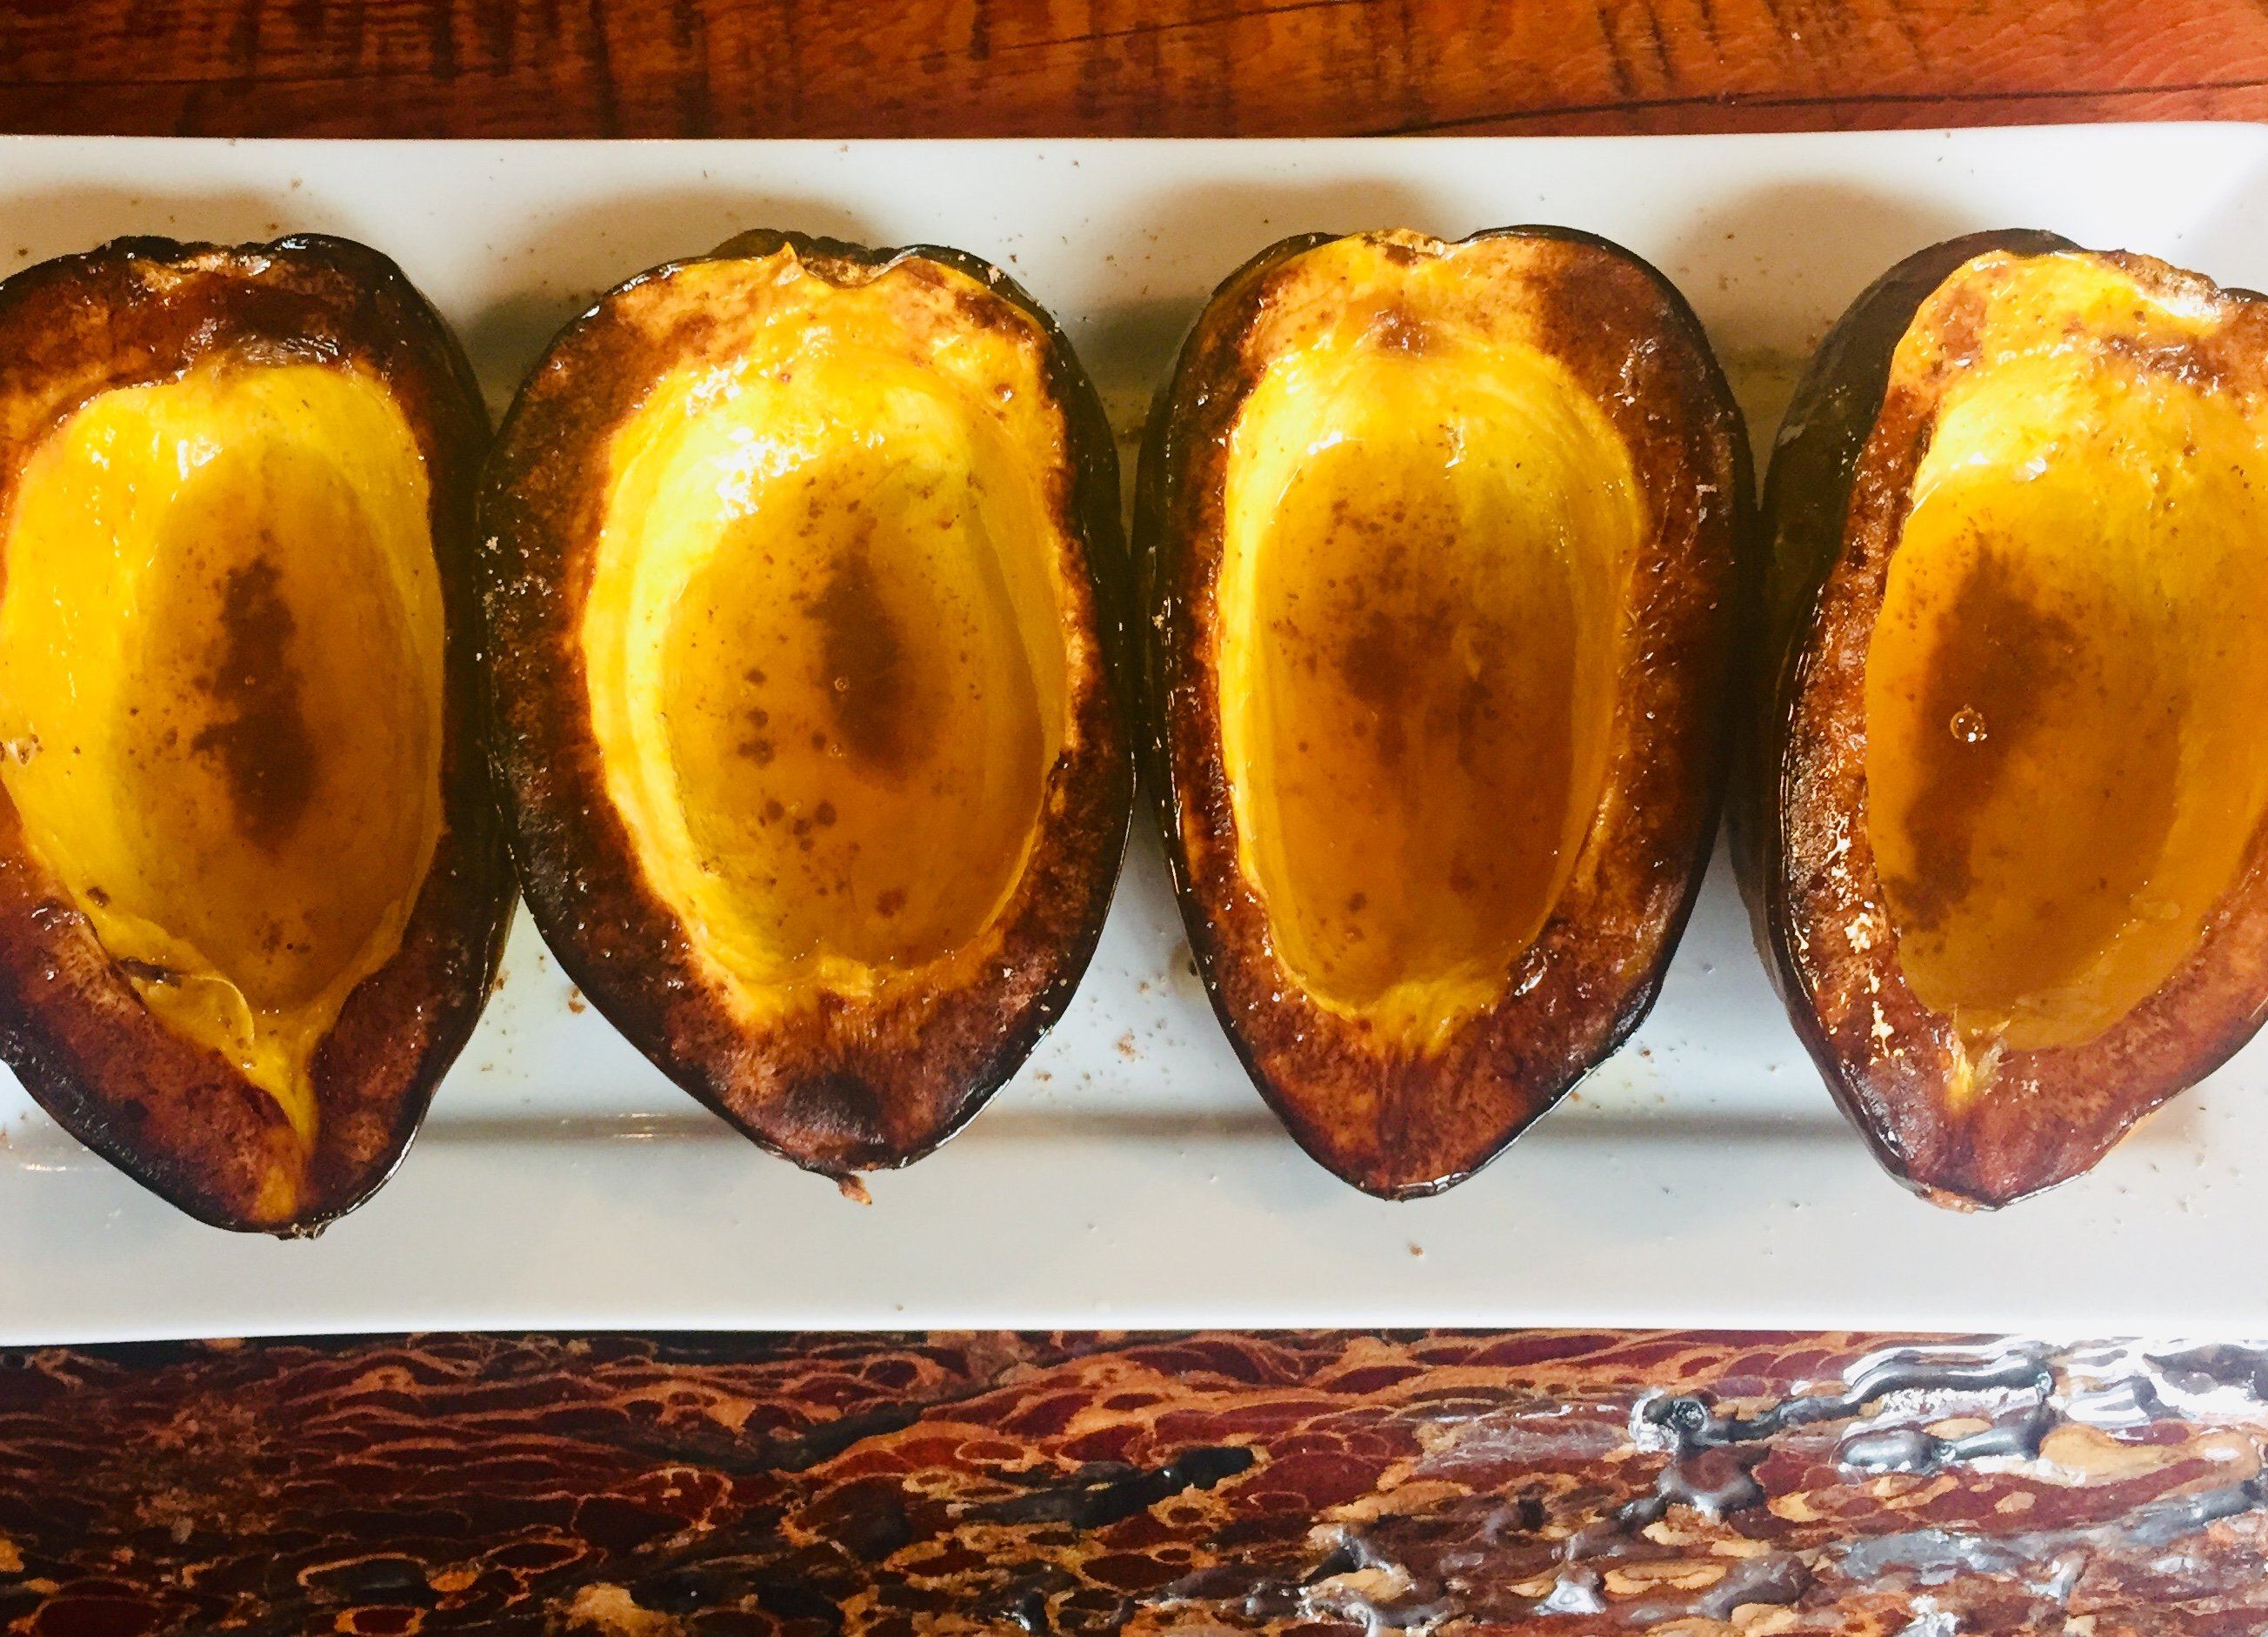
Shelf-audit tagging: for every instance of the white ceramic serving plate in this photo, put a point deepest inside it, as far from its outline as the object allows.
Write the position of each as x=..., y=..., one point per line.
x=1130, y=1177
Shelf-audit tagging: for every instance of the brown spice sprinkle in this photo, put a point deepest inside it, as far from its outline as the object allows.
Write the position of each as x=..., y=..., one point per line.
x=265, y=747
x=1308, y=1483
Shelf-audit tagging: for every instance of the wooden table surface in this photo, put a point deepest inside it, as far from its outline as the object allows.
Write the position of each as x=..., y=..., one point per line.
x=1211, y=68
x=1311, y=1482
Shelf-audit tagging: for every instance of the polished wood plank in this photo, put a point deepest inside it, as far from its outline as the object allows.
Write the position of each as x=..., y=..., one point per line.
x=851, y=67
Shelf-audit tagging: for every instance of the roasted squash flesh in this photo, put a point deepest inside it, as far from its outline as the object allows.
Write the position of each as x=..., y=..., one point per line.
x=2063, y=758
x=2003, y=825
x=221, y=695
x=1441, y=553
x=1427, y=538
x=804, y=572
x=826, y=671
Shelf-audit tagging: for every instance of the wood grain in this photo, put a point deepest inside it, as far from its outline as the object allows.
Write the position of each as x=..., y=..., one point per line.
x=1551, y=1482
x=853, y=68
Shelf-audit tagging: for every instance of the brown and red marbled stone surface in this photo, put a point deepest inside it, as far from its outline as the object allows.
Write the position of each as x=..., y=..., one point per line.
x=1322, y=1482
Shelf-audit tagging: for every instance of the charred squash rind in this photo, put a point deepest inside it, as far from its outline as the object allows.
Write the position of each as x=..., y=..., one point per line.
x=1593, y=973
x=1837, y=484
x=177, y=1117
x=854, y=1086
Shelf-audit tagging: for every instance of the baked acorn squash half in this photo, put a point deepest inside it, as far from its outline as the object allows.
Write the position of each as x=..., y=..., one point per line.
x=253, y=892
x=1441, y=551
x=805, y=573
x=2001, y=828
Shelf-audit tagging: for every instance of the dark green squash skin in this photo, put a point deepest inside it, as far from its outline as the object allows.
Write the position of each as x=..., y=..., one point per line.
x=1167, y=434
x=620, y=945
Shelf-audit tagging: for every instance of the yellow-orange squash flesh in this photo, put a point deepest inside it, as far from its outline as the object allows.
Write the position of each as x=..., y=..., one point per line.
x=826, y=668
x=804, y=658
x=1426, y=547
x=2063, y=751
x=221, y=689
x=1441, y=544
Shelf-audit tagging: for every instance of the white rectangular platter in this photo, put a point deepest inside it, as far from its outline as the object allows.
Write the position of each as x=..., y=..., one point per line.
x=1130, y=1176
